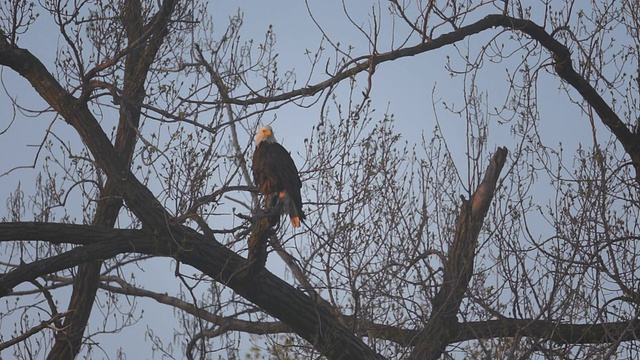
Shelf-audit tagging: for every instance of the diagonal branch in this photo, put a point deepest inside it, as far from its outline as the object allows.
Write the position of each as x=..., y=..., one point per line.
x=564, y=68
x=442, y=326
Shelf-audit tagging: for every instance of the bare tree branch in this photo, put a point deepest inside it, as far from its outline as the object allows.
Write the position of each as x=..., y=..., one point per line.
x=228, y=323
x=560, y=52
x=442, y=325
x=34, y=330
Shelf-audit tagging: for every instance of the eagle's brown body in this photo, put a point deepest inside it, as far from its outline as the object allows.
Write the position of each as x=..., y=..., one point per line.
x=275, y=173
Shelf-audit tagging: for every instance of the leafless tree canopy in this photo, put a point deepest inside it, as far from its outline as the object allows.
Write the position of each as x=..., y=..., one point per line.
x=503, y=225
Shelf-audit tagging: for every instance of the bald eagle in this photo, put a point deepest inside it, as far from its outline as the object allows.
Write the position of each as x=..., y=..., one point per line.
x=275, y=173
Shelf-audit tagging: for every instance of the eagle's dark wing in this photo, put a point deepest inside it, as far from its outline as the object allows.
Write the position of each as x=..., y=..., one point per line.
x=290, y=177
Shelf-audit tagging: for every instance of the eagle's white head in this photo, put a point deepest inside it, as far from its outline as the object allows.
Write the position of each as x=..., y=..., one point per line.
x=265, y=134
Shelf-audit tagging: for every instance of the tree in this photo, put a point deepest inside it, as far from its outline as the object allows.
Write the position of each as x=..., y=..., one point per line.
x=489, y=239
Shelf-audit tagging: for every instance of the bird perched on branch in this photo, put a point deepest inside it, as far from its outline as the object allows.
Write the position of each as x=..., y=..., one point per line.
x=275, y=174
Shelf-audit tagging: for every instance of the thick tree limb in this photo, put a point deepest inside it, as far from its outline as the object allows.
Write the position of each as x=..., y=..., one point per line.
x=442, y=326
x=110, y=242
x=56, y=233
x=549, y=330
x=141, y=201
x=563, y=334
x=83, y=254
x=278, y=298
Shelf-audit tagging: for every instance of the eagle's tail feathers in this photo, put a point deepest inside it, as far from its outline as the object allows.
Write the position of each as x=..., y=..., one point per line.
x=290, y=207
